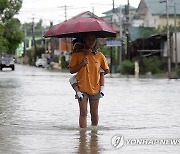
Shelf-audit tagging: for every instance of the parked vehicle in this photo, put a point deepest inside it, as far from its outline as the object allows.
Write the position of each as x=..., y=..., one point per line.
x=7, y=62
x=42, y=62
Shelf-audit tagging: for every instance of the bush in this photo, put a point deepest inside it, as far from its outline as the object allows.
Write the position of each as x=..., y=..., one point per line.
x=151, y=64
x=127, y=67
x=64, y=63
x=178, y=71
x=56, y=59
x=40, y=51
x=30, y=54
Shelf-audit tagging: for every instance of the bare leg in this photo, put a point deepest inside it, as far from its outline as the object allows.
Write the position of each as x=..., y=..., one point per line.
x=76, y=88
x=102, y=79
x=102, y=84
x=83, y=113
x=94, y=111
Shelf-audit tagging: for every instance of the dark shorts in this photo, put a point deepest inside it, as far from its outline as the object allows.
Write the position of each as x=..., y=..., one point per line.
x=90, y=97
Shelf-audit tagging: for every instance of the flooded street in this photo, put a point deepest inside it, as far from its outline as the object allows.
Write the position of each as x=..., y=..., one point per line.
x=39, y=115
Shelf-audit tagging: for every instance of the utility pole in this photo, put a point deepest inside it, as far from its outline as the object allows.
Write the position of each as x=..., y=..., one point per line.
x=25, y=34
x=65, y=12
x=65, y=16
x=168, y=42
x=66, y=40
x=111, y=47
x=168, y=39
x=175, y=31
x=51, y=40
x=127, y=29
x=93, y=9
x=113, y=6
x=34, y=41
x=120, y=36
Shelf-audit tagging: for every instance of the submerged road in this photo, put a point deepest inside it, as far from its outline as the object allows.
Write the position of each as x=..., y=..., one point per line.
x=39, y=115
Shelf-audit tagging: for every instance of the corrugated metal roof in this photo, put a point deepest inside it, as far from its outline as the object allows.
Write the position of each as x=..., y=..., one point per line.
x=140, y=32
x=158, y=8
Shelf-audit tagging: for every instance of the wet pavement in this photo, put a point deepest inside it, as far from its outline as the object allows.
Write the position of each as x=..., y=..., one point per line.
x=39, y=115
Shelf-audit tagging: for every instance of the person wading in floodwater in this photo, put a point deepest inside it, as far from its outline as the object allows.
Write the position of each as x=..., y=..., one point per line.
x=87, y=66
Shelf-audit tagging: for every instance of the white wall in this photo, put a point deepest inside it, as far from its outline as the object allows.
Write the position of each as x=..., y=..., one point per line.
x=137, y=23
x=178, y=48
x=173, y=46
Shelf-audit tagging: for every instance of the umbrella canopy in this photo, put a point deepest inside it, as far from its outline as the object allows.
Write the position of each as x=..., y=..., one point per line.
x=80, y=26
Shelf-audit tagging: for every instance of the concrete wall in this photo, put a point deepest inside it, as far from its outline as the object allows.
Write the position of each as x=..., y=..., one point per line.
x=149, y=20
x=178, y=48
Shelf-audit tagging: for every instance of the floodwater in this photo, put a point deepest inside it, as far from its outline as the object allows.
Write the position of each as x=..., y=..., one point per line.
x=39, y=115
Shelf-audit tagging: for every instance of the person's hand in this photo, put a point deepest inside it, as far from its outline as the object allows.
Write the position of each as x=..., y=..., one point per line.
x=102, y=92
x=85, y=61
x=80, y=95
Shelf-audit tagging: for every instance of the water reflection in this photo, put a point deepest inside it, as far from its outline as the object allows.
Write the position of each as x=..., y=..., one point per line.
x=88, y=142
x=8, y=100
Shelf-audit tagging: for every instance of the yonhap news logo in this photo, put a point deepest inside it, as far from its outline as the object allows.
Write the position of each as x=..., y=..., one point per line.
x=118, y=141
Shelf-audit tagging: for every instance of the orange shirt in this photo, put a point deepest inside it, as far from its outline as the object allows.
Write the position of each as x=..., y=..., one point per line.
x=88, y=77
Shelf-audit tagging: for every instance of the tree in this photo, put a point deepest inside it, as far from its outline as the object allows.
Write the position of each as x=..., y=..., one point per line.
x=13, y=34
x=38, y=28
x=9, y=8
x=10, y=33
x=3, y=41
x=163, y=29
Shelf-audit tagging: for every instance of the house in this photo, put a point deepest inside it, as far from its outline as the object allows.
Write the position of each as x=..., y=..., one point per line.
x=152, y=13
x=156, y=45
x=85, y=14
x=117, y=17
x=118, y=13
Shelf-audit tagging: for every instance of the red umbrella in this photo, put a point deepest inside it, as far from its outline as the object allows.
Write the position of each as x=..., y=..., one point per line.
x=79, y=26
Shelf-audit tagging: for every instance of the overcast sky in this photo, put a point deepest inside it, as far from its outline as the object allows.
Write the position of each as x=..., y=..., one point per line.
x=54, y=10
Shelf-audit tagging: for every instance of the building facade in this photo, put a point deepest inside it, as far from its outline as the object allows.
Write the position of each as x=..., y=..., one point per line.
x=152, y=13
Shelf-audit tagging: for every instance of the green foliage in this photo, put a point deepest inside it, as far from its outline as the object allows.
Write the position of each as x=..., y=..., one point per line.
x=163, y=29
x=56, y=59
x=10, y=34
x=150, y=64
x=3, y=45
x=30, y=54
x=9, y=8
x=64, y=63
x=127, y=67
x=38, y=29
x=147, y=32
x=3, y=41
x=40, y=51
x=105, y=50
x=13, y=35
x=178, y=71
x=178, y=27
